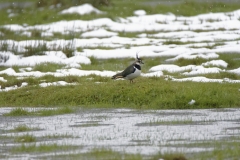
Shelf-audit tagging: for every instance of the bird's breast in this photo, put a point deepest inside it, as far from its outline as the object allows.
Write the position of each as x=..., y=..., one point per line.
x=133, y=75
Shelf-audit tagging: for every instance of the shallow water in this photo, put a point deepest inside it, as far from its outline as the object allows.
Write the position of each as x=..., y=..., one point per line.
x=131, y=131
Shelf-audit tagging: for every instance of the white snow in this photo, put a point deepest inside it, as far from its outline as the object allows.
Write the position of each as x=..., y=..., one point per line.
x=58, y=83
x=171, y=68
x=99, y=33
x=236, y=71
x=139, y=12
x=82, y=10
x=2, y=79
x=217, y=63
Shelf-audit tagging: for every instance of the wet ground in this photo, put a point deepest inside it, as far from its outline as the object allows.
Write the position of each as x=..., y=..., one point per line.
x=124, y=130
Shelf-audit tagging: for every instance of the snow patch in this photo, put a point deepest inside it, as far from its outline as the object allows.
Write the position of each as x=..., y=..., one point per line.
x=82, y=10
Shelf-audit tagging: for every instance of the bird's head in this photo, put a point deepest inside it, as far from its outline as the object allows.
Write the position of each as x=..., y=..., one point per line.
x=139, y=60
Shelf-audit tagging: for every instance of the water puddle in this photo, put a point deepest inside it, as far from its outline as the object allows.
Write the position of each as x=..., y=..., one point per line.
x=132, y=131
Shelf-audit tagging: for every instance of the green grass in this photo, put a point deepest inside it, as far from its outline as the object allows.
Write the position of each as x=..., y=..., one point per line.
x=222, y=75
x=18, y=112
x=21, y=128
x=222, y=149
x=58, y=111
x=41, y=112
x=25, y=139
x=232, y=59
x=108, y=154
x=41, y=148
x=121, y=63
x=173, y=122
x=185, y=62
x=47, y=67
x=145, y=93
x=34, y=15
x=169, y=42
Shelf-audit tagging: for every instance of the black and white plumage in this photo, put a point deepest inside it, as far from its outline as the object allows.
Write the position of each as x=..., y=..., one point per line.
x=131, y=72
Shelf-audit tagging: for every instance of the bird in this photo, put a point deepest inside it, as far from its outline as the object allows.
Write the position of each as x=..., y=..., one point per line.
x=131, y=72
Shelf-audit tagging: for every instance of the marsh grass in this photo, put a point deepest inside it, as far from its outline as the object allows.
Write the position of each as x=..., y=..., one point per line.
x=58, y=111
x=101, y=153
x=21, y=128
x=41, y=148
x=157, y=122
x=108, y=154
x=173, y=122
x=40, y=112
x=18, y=112
x=222, y=149
x=25, y=139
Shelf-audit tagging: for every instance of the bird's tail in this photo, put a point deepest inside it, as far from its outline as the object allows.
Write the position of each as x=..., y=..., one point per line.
x=116, y=76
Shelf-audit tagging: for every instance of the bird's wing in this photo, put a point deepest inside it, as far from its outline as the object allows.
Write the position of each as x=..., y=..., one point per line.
x=128, y=70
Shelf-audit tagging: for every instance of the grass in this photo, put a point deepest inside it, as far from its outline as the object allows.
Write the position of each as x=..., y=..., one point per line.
x=41, y=148
x=173, y=122
x=18, y=112
x=40, y=112
x=222, y=149
x=121, y=63
x=185, y=62
x=21, y=128
x=25, y=139
x=222, y=75
x=34, y=15
x=109, y=154
x=145, y=93
x=232, y=59
x=47, y=67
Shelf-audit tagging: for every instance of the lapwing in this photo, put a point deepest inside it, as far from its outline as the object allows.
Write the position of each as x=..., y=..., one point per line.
x=131, y=72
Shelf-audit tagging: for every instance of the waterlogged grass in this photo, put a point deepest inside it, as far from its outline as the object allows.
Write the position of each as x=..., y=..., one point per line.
x=224, y=149
x=41, y=148
x=40, y=112
x=25, y=139
x=18, y=112
x=109, y=154
x=145, y=93
x=163, y=122
x=22, y=128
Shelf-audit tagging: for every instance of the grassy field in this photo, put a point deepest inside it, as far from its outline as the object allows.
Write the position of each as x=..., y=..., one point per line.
x=124, y=8
x=145, y=93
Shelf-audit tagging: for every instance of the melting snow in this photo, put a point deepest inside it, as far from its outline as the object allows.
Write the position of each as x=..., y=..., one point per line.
x=83, y=9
